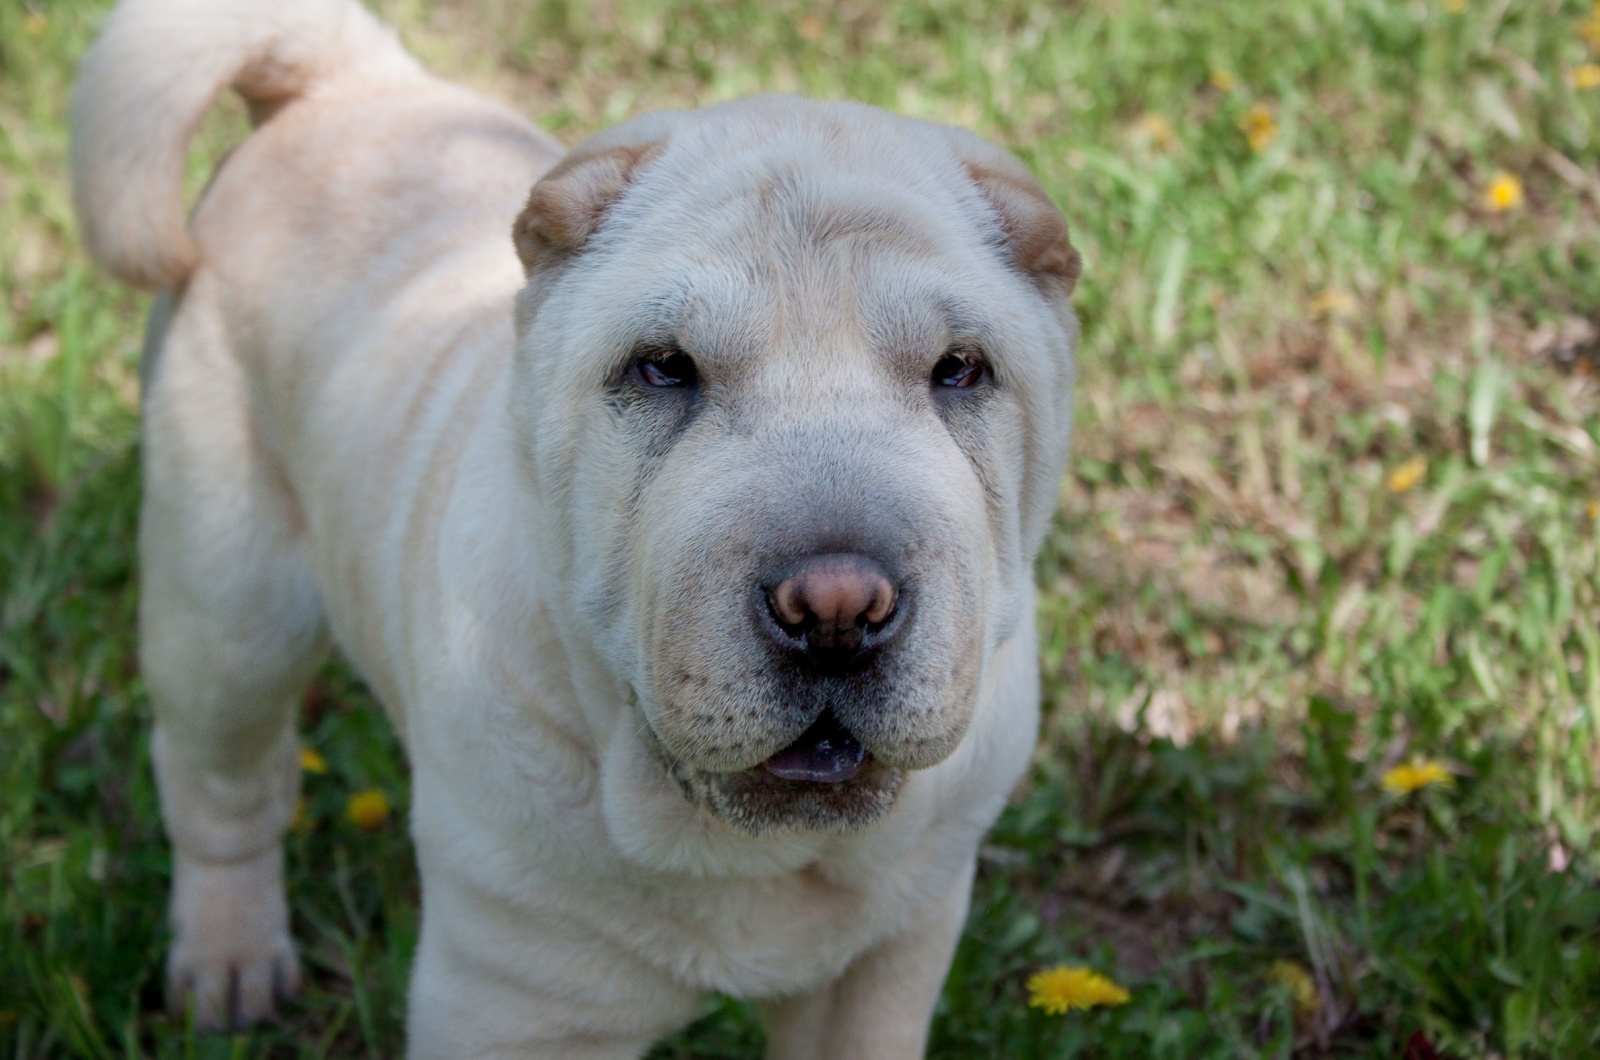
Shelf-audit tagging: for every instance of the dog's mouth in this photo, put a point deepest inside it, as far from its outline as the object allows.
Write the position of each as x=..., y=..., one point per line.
x=824, y=781
x=826, y=753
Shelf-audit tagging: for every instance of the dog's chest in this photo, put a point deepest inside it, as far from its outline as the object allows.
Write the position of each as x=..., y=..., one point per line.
x=762, y=937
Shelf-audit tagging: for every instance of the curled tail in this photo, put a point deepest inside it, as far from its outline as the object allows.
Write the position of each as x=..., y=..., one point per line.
x=150, y=77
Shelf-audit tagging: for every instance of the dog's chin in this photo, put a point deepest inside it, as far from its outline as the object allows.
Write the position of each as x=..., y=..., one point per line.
x=758, y=802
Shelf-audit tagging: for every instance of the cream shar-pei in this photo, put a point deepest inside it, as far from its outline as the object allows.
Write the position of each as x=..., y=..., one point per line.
x=680, y=512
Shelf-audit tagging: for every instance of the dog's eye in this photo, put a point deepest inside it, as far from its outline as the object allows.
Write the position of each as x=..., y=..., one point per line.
x=960, y=370
x=665, y=367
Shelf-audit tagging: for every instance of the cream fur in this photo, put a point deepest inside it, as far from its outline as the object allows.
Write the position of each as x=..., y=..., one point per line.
x=357, y=432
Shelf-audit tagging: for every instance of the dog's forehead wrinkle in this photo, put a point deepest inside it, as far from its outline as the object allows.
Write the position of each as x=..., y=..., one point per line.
x=792, y=140
x=811, y=213
x=711, y=306
x=810, y=311
x=803, y=181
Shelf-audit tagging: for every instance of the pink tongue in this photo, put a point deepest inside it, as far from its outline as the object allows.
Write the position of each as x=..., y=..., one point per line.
x=824, y=754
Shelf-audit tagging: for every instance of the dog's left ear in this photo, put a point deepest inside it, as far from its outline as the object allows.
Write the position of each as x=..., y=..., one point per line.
x=1033, y=226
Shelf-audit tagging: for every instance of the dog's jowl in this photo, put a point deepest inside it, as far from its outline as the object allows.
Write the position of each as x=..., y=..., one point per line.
x=677, y=495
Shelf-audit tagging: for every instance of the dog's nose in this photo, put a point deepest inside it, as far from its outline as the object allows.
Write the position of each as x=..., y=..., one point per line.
x=835, y=605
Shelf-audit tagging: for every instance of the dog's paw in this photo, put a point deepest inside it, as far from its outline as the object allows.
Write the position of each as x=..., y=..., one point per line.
x=232, y=960
x=231, y=991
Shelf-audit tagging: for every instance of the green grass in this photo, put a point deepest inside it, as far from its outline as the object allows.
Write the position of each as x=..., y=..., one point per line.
x=1243, y=625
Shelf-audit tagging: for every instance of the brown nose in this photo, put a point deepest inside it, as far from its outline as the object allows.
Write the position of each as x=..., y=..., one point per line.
x=834, y=603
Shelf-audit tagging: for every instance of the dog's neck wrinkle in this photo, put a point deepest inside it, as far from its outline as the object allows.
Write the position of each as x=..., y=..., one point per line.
x=546, y=663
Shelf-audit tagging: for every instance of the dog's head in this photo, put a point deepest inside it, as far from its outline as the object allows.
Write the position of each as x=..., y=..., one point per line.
x=793, y=384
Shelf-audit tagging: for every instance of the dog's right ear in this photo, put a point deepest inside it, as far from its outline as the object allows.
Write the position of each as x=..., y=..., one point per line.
x=567, y=205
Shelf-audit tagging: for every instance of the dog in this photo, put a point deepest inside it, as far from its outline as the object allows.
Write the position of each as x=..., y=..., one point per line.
x=676, y=494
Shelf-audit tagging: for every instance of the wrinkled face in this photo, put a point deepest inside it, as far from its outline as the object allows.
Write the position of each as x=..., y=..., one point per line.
x=794, y=404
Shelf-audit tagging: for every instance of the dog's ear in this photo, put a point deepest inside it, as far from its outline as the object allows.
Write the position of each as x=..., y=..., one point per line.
x=1033, y=226
x=568, y=203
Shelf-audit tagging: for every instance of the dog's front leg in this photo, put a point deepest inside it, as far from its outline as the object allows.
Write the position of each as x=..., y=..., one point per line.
x=493, y=981
x=880, y=1007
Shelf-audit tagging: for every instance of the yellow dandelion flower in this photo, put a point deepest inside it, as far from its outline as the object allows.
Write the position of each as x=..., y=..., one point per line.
x=1297, y=981
x=34, y=24
x=1332, y=302
x=1223, y=81
x=1060, y=989
x=1503, y=193
x=368, y=809
x=1454, y=7
x=1260, y=128
x=311, y=761
x=1420, y=773
x=1157, y=131
x=303, y=823
x=1589, y=30
x=1407, y=474
x=1586, y=76
x=1594, y=510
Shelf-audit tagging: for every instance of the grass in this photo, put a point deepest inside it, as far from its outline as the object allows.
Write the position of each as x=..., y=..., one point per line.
x=1297, y=300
